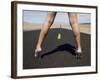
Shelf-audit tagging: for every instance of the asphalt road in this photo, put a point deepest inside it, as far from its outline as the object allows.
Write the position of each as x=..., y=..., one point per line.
x=56, y=53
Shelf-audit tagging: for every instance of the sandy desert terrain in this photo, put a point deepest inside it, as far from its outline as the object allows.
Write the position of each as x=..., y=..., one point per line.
x=84, y=28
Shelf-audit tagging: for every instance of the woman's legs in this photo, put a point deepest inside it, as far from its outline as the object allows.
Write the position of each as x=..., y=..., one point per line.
x=76, y=31
x=45, y=27
x=49, y=21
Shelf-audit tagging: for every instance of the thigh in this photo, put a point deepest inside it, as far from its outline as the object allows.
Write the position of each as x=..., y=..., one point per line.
x=50, y=17
x=48, y=21
x=72, y=17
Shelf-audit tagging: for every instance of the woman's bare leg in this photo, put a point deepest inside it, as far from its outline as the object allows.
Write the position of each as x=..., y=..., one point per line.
x=45, y=27
x=76, y=30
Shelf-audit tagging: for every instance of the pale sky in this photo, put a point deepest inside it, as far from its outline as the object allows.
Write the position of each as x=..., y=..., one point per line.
x=61, y=17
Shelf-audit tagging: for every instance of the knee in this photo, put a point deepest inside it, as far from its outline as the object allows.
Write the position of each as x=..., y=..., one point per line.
x=76, y=33
x=73, y=21
x=46, y=26
x=49, y=22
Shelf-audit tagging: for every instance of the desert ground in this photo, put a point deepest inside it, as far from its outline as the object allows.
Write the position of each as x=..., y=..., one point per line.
x=84, y=28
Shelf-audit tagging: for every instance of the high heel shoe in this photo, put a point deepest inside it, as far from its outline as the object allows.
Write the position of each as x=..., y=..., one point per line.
x=78, y=54
x=37, y=53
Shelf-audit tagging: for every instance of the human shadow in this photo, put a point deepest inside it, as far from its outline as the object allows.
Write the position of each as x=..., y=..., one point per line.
x=65, y=47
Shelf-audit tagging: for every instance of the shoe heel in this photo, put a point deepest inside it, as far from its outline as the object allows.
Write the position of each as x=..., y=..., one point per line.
x=37, y=54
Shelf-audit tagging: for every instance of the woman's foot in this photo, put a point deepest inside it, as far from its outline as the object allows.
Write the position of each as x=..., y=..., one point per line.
x=37, y=52
x=78, y=52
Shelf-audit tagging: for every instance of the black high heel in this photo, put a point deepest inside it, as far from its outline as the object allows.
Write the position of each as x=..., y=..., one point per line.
x=78, y=55
x=37, y=53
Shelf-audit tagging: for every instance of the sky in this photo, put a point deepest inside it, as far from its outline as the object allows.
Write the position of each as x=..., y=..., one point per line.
x=32, y=16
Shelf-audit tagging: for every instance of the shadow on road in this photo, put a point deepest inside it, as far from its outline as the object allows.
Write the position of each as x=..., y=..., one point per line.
x=65, y=47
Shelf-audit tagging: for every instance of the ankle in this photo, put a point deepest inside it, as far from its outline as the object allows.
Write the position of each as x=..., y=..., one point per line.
x=38, y=48
x=79, y=50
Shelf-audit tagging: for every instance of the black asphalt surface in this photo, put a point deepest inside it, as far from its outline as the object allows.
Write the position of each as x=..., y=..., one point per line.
x=55, y=53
